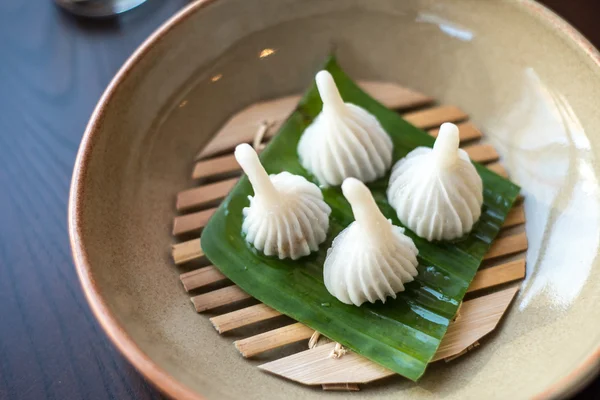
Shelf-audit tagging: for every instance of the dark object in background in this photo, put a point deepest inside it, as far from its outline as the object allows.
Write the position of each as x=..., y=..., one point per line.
x=98, y=8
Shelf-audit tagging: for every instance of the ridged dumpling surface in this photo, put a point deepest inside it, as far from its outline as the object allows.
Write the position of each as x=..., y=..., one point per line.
x=371, y=259
x=344, y=140
x=437, y=192
x=287, y=216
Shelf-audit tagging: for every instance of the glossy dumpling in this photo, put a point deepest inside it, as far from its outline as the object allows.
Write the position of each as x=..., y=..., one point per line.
x=371, y=259
x=344, y=140
x=287, y=216
x=437, y=192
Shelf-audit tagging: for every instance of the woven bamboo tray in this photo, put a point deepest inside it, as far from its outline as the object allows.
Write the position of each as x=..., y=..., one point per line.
x=322, y=362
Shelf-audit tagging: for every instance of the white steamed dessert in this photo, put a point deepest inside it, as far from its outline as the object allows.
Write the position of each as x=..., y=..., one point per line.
x=287, y=216
x=344, y=140
x=437, y=192
x=372, y=258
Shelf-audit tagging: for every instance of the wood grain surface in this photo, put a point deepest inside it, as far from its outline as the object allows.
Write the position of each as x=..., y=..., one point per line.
x=53, y=69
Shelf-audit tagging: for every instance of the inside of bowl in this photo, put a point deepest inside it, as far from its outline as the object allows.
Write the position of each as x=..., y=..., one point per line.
x=525, y=83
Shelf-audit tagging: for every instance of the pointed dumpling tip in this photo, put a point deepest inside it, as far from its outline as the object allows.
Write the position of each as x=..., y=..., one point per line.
x=355, y=191
x=330, y=95
x=365, y=210
x=447, y=142
x=246, y=156
x=324, y=77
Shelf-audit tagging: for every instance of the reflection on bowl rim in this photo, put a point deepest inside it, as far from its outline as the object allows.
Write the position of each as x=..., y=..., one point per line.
x=581, y=375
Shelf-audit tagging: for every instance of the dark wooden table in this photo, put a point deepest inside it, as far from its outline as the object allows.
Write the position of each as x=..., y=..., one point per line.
x=53, y=69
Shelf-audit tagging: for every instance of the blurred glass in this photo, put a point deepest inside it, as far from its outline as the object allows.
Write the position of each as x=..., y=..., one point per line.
x=98, y=8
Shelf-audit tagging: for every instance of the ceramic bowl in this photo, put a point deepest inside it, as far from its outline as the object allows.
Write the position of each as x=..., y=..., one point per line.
x=528, y=80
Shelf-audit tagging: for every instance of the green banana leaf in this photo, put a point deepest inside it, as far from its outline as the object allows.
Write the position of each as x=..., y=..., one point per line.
x=402, y=334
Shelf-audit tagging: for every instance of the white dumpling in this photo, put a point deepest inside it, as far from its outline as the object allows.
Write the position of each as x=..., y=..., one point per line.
x=287, y=216
x=372, y=258
x=344, y=140
x=437, y=192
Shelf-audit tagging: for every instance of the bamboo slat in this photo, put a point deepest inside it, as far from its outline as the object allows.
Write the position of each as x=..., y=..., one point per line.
x=501, y=274
x=227, y=165
x=201, y=277
x=507, y=245
x=215, y=166
x=186, y=251
x=341, y=387
x=276, y=338
x=192, y=222
x=466, y=131
x=218, y=298
x=202, y=195
x=394, y=96
x=482, y=153
x=435, y=116
x=515, y=217
x=244, y=317
x=498, y=168
x=242, y=127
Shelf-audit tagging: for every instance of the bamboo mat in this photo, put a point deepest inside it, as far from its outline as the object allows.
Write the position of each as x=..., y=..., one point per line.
x=323, y=362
